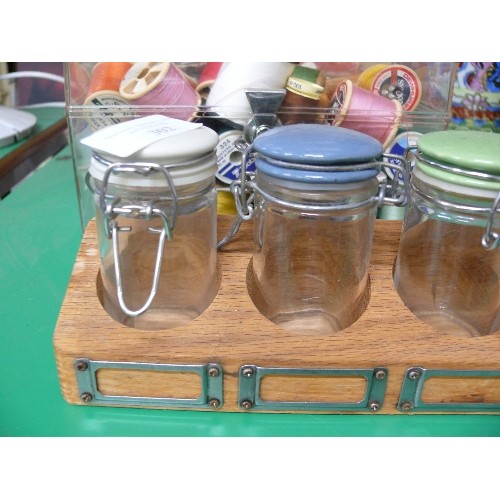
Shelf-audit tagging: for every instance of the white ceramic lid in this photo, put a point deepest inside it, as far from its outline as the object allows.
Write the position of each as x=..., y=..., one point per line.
x=195, y=148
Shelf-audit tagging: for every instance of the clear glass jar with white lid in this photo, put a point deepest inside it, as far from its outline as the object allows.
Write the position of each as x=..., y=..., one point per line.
x=314, y=198
x=157, y=227
x=447, y=271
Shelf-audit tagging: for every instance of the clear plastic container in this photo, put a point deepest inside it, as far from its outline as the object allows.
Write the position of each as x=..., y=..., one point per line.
x=96, y=96
x=156, y=221
x=316, y=193
x=447, y=270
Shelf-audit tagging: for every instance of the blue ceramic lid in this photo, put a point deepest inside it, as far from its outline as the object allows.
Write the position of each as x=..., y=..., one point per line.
x=314, y=176
x=314, y=144
x=316, y=153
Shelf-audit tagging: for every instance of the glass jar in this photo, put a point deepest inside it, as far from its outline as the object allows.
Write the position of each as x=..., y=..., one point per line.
x=156, y=227
x=447, y=271
x=316, y=192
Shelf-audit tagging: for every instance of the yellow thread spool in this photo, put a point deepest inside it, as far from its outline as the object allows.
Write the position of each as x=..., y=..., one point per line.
x=365, y=79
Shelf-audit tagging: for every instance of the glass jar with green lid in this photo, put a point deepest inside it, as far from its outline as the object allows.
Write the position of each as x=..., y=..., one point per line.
x=447, y=271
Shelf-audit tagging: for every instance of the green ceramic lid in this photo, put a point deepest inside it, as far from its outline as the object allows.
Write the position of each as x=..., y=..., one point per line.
x=467, y=149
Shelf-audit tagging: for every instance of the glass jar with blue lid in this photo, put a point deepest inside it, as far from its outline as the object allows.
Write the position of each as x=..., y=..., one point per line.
x=314, y=199
x=447, y=271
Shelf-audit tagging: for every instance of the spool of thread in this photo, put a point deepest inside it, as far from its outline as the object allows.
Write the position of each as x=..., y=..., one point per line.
x=398, y=146
x=229, y=157
x=207, y=77
x=397, y=82
x=79, y=80
x=367, y=112
x=225, y=201
x=227, y=96
x=303, y=94
x=365, y=78
x=160, y=84
x=103, y=90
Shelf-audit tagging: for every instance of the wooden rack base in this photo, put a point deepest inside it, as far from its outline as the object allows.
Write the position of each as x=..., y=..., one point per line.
x=289, y=372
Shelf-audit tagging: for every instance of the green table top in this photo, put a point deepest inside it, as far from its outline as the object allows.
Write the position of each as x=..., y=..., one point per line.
x=39, y=239
x=45, y=118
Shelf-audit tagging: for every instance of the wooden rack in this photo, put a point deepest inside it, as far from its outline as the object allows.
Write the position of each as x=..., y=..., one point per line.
x=231, y=358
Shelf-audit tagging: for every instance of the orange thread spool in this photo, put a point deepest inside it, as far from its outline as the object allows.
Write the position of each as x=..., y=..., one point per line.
x=103, y=90
x=106, y=77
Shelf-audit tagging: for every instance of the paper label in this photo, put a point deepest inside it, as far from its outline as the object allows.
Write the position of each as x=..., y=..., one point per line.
x=304, y=88
x=229, y=158
x=125, y=139
x=398, y=82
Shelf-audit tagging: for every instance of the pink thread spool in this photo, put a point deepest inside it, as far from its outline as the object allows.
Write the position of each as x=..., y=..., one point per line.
x=160, y=84
x=359, y=109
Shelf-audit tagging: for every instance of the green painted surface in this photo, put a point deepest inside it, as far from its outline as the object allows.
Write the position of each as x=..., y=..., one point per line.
x=39, y=239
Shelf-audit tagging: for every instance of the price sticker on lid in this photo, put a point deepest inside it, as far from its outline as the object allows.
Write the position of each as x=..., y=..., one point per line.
x=126, y=138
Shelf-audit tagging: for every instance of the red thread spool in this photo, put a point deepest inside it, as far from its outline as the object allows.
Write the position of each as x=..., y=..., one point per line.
x=160, y=84
x=208, y=76
x=367, y=112
x=103, y=90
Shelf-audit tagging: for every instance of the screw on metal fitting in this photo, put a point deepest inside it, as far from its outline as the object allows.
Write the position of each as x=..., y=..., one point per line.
x=213, y=371
x=81, y=366
x=247, y=372
x=86, y=397
x=214, y=403
x=414, y=375
x=246, y=405
x=380, y=374
x=374, y=406
x=407, y=406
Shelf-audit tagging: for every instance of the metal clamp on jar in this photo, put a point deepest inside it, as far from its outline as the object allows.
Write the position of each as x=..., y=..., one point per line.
x=314, y=198
x=157, y=233
x=447, y=271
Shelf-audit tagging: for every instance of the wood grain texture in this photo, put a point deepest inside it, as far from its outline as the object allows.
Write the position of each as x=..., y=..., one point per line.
x=233, y=333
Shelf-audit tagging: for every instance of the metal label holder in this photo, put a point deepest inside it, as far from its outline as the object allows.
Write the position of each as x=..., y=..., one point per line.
x=410, y=399
x=211, y=376
x=250, y=378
